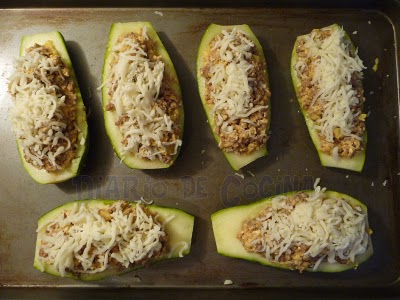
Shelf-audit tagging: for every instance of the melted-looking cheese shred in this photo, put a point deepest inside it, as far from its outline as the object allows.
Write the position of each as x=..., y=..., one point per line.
x=328, y=225
x=137, y=82
x=231, y=91
x=133, y=237
x=36, y=117
x=334, y=66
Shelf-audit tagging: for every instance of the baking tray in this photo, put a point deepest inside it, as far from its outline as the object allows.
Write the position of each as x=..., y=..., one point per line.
x=201, y=183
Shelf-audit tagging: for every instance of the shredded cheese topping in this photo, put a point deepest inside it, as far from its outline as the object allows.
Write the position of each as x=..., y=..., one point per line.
x=334, y=65
x=328, y=226
x=135, y=82
x=37, y=117
x=85, y=239
x=231, y=75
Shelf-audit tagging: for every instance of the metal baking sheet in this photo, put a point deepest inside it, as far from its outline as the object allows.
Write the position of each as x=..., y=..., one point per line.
x=202, y=183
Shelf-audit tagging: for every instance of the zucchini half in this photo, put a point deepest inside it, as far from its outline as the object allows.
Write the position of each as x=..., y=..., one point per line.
x=42, y=176
x=179, y=229
x=236, y=161
x=113, y=132
x=227, y=223
x=356, y=163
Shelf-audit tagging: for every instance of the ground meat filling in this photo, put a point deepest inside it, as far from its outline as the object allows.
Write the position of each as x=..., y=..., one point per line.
x=346, y=145
x=248, y=133
x=63, y=121
x=257, y=237
x=251, y=238
x=100, y=259
x=167, y=102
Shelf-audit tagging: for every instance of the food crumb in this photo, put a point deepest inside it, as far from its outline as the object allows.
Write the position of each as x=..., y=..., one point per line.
x=398, y=174
x=176, y=203
x=385, y=182
x=202, y=162
x=375, y=67
x=354, y=32
x=369, y=22
x=147, y=202
x=371, y=92
x=228, y=282
x=290, y=100
x=387, y=75
x=277, y=158
x=385, y=49
x=202, y=151
x=251, y=173
x=347, y=176
x=306, y=169
x=159, y=13
x=298, y=111
x=279, y=170
x=239, y=175
x=372, y=183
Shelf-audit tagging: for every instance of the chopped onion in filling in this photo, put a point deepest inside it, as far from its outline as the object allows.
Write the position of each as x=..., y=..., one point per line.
x=135, y=84
x=37, y=118
x=232, y=81
x=87, y=239
x=334, y=65
x=304, y=230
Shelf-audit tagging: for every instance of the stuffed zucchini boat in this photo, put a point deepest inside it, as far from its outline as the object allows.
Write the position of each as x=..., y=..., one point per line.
x=142, y=102
x=48, y=116
x=95, y=239
x=318, y=231
x=327, y=77
x=234, y=89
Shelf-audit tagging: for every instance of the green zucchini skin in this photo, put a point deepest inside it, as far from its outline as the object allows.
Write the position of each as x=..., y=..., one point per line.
x=179, y=229
x=356, y=163
x=117, y=29
x=236, y=161
x=227, y=224
x=42, y=176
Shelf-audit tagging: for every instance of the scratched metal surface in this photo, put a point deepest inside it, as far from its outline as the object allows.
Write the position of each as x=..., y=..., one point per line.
x=201, y=183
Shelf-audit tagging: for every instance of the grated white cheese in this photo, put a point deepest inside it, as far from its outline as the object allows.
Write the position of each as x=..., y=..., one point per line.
x=329, y=226
x=182, y=246
x=37, y=118
x=84, y=236
x=228, y=282
x=231, y=91
x=137, y=82
x=334, y=66
x=239, y=175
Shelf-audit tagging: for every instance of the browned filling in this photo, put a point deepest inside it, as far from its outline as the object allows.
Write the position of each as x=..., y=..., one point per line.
x=169, y=102
x=245, y=137
x=347, y=146
x=295, y=258
x=66, y=87
x=106, y=214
